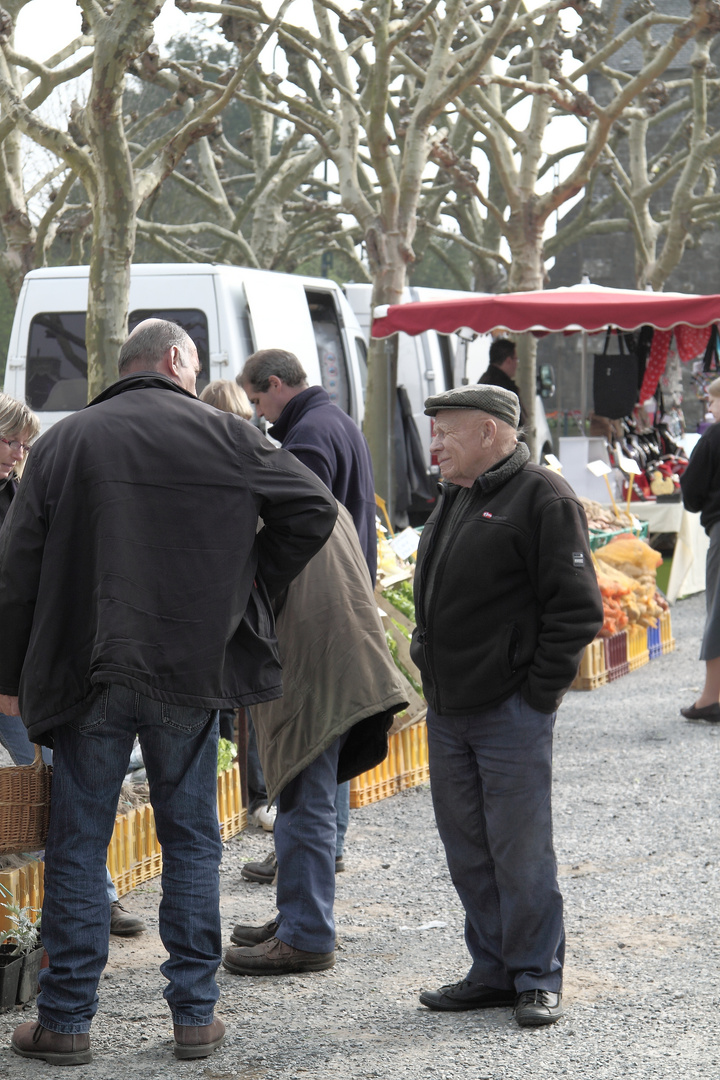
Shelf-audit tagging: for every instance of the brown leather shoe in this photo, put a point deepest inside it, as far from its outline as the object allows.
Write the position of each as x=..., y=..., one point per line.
x=197, y=1042
x=34, y=1041
x=123, y=923
x=274, y=957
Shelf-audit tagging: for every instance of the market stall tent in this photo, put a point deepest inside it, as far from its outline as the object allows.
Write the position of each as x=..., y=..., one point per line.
x=589, y=308
x=578, y=307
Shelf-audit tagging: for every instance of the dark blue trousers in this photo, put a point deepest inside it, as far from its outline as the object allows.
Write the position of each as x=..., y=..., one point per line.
x=491, y=777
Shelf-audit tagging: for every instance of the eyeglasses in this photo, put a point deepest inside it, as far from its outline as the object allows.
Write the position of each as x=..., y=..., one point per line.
x=15, y=445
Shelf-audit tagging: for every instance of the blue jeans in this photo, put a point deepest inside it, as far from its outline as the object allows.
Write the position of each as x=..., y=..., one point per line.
x=491, y=777
x=305, y=839
x=14, y=737
x=342, y=810
x=179, y=746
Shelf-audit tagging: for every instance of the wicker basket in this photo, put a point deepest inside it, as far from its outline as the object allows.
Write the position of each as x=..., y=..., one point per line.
x=24, y=806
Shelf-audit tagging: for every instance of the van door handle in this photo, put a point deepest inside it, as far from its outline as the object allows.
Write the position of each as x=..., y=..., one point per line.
x=219, y=358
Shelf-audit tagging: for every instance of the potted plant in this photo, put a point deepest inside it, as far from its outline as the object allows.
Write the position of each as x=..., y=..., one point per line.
x=22, y=946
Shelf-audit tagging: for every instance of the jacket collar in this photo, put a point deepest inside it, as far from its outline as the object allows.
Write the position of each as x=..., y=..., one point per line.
x=296, y=407
x=140, y=380
x=504, y=470
x=493, y=478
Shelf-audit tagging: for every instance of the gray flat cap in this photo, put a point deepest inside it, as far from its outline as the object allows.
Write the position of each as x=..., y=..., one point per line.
x=495, y=400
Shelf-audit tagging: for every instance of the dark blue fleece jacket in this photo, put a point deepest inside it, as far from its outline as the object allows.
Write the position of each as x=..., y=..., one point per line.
x=329, y=442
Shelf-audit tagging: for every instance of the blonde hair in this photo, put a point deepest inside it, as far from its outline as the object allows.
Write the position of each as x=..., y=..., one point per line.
x=713, y=388
x=227, y=396
x=16, y=419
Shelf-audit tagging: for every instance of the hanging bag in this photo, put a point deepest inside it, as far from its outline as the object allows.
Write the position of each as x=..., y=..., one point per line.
x=615, y=381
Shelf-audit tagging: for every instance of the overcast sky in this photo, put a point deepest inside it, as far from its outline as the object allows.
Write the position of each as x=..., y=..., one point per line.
x=44, y=26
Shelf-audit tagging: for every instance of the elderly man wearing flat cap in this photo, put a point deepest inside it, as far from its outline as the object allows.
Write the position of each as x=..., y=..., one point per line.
x=506, y=600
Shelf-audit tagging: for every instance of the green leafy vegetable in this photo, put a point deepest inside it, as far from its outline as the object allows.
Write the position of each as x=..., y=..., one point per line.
x=227, y=752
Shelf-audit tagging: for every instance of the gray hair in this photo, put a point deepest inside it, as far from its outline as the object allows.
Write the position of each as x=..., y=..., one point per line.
x=149, y=342
x=266, y=362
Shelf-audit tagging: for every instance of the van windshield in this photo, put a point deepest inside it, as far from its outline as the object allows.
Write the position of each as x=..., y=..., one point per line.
x=57, y=357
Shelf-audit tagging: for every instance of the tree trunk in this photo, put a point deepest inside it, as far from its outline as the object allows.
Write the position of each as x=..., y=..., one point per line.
x=380, y=401
x=113, y=196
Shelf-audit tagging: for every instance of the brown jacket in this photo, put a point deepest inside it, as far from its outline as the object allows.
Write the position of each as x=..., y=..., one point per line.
x=337, y=670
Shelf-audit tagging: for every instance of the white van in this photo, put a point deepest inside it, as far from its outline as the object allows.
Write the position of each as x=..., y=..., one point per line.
x=431, y=363
x=228, y=311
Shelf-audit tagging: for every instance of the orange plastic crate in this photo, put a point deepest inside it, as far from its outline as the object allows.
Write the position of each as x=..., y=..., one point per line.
x=405, y=766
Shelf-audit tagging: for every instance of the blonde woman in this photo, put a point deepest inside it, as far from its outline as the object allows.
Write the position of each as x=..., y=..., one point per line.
x=700, y=485
x=229, y=397
x=18, y=427
x=226, y=395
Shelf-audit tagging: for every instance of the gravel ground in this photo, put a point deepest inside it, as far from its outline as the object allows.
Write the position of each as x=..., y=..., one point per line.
x=637, y=836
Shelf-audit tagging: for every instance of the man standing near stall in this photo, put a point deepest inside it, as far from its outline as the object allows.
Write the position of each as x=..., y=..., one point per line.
x=506, y=599
x=134, y=598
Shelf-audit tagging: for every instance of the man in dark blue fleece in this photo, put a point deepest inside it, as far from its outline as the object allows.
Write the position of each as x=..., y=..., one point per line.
x=318, y=433
x=328, y=442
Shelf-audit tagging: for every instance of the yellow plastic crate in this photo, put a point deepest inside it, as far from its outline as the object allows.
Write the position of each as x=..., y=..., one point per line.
x=134, y=852
x=667, y=641
x=593, y=671
x=25, y=885
x=405, y=766
x=637, y=647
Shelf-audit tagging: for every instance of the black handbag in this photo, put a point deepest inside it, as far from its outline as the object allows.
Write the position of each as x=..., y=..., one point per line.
x=615, y=381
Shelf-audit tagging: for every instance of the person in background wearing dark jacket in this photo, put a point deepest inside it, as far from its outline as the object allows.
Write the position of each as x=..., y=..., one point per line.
x=700, y=485
x=506, y=599
x=502, y=369
x=135, y=599
x=18, y=426
x=329, y=442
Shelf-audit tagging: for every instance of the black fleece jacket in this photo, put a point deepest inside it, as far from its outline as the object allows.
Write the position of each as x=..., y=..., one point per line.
x=130, y=555
x=700, y=483
x=513, y=597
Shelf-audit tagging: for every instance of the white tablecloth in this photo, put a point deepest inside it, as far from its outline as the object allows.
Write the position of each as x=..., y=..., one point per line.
x=687, y=575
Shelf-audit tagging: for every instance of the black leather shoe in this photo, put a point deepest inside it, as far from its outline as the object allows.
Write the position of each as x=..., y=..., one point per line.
x=32, y=1040
x=253, y=935
x=464, y=995
x=534, y=1008
x=197, y=1042
x=707, y=714
x=264, y=873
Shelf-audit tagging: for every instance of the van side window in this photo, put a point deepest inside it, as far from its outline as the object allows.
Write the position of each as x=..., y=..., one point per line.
x=57, y=358
x=57, y=362
x=331, y=353
x=361, y=351
x=194, y=323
